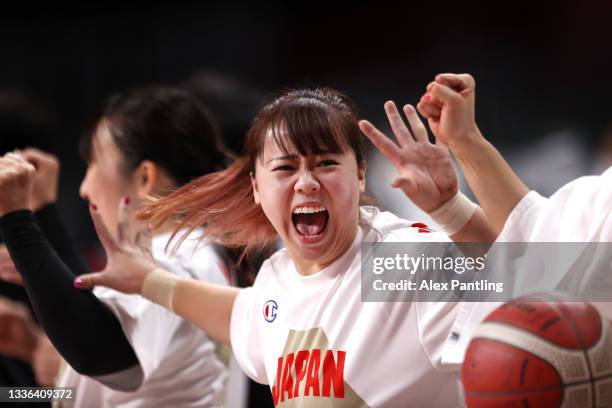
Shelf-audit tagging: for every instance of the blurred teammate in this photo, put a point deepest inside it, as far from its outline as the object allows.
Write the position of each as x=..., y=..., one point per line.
x=122, y=349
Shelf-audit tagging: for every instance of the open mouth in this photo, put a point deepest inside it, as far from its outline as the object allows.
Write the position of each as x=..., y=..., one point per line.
x=310, y=222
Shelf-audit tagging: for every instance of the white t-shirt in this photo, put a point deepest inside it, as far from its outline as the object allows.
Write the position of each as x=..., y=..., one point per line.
x=317, y=344
x=580, y=212
x=178, y=363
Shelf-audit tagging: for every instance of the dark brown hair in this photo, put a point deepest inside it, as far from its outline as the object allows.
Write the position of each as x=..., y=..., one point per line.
x=166, y=125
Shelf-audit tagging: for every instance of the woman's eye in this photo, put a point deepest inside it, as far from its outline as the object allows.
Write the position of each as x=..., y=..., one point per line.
x=283, y=168
x=327, y=163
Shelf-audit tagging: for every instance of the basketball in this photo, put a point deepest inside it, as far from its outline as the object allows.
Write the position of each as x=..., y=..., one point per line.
x=534, y=352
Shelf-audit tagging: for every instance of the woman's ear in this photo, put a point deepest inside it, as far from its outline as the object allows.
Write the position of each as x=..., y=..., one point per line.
x=361, y=172
x=151, y=179
x=255, y=189
x=146, y=178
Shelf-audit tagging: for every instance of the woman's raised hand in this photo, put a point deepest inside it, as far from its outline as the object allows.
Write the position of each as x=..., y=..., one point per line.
x=425, y=170
x=448, y=105
x=128, y=261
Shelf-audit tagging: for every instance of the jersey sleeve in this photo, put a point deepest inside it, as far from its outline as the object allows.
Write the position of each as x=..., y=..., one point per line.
x=522, y=224
x=578, y=212
x=148, y=327
x=245, y=336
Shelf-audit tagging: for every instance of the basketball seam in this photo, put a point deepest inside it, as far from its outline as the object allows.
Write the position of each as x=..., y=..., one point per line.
x=528, y=332
x=561, y=311
x=529, y=336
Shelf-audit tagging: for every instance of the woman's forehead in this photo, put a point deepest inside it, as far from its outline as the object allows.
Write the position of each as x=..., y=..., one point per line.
x=272, y=150
x=278, y=142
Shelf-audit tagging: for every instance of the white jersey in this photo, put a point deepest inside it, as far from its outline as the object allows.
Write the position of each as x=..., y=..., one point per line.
x=314, y=341
x=178, y=363
x=579, y=212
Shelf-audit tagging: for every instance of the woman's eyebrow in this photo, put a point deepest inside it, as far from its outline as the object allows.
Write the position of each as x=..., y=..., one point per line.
x=287, y=157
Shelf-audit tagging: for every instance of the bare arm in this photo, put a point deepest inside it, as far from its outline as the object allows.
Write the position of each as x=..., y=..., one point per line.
x=206, y=305
x=490, y=177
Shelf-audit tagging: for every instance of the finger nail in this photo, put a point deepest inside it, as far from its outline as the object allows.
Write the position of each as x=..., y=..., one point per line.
x=427, y=97
x=93, y=207
x=150, y=227
x=79, y=283
x=126, y=200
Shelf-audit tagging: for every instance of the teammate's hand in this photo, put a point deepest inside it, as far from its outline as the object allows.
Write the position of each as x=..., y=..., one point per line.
x=46, y=178
x=8, y=271
x=426, y=172
x=128, y=263
x=18, y=332
x=448, y=106
x=16, y=181
x=45, y=362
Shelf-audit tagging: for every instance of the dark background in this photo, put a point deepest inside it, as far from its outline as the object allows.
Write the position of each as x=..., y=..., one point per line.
x=539, y=67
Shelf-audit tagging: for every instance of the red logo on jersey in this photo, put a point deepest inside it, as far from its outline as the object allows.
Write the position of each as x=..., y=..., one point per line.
x=422, y=227
x=307, y=373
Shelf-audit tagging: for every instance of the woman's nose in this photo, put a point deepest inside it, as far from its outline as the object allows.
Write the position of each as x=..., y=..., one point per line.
x=306, y=183
x=83, y=189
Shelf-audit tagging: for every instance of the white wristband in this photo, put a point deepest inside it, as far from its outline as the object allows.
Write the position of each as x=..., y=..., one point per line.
x=159, y=286
x=454, y=214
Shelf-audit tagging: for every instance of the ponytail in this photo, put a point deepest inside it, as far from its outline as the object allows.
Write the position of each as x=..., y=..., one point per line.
x=221, y=202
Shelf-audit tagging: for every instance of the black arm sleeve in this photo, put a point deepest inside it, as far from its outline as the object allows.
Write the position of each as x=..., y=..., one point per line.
x=80, y=326
x=48, y=219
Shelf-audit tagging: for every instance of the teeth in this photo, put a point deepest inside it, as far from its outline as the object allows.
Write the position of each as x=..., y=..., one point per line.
x=308, y=210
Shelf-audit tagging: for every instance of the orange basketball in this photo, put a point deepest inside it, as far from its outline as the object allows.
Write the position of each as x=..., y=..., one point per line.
x=534, y=352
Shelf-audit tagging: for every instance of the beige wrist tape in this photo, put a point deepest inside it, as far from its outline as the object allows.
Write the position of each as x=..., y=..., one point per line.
x=454, y=214
x=159, y=286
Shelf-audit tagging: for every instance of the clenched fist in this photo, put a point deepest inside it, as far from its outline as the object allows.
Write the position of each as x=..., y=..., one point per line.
x=46, y=179
x=448, y=106
x=16, y=182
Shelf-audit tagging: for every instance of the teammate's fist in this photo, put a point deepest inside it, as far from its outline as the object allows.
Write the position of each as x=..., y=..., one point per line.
x=448, y=106
x=16, y=181
x=46, y=178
